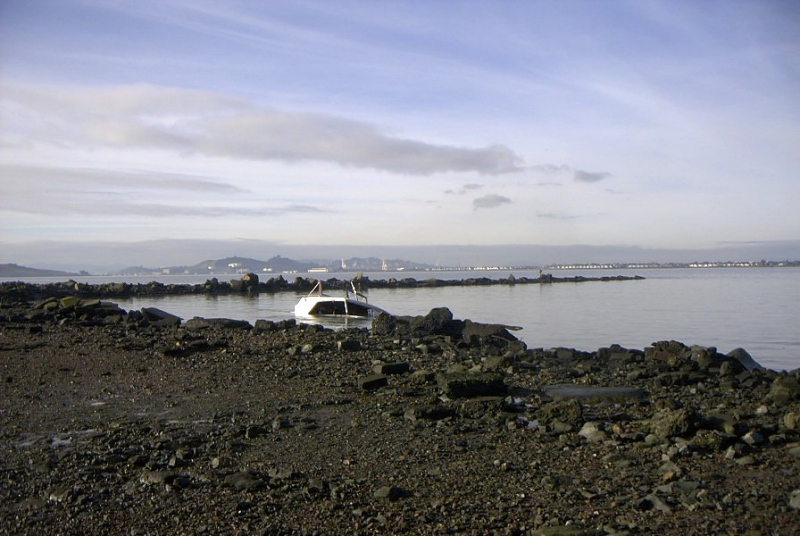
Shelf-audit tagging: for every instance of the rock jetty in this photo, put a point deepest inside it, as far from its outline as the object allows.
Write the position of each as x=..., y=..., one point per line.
x=18, y=290
x=131, y=423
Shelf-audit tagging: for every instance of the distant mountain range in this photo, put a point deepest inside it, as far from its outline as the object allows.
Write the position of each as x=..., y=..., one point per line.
x=282, y=265
x=278, y=265
x=15, y=270
x=238, y=265
x=111, y=257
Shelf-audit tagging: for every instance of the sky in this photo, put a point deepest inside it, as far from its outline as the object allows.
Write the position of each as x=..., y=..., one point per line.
x=667, y=125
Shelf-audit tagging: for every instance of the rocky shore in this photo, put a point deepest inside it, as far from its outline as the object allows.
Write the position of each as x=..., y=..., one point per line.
x=118, y=422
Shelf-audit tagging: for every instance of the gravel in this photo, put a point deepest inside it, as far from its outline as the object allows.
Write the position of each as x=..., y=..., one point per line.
x=115, y=423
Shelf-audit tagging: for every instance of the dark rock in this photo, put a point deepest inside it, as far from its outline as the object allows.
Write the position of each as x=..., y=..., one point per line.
x=569, y=411
x=673, y=423
x=475, y=331
x=249, y=280
x=348, y=345
x=710, y=440
x=244, y=481
x=429, y=412
x=228, y=323
x=281, y=423
x=384, y=324
x=262, y=325
x=784, y=390
x=159, y=477
x=744, y=358
x=651, y=502
x=68, y=302
x=496, y=363
x=469, y=384
x=567, y=530
x=423, y=377
x=391, y=493
x=282, y=473
x=434, y=321
x=372, y=382
x=399, y=367
x=705, y=358
x=254, y=431
x=157, y=317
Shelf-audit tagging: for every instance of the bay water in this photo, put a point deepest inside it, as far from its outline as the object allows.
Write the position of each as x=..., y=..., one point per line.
x=757, y=309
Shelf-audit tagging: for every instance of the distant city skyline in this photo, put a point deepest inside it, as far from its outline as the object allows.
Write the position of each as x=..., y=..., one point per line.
x=507, y=129
x=107, y=257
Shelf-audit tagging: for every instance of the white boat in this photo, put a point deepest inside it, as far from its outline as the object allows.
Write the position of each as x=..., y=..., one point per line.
x=353, y=303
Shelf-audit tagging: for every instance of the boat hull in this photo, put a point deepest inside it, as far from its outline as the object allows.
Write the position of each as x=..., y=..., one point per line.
x=332, y=306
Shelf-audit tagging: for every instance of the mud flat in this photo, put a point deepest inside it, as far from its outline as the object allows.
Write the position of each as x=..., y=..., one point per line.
x=118, y=422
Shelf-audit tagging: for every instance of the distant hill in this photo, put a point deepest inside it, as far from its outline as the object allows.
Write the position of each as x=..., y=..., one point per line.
x=278, y=265
x=14, y=270
x=374, y=264
x=235, y=265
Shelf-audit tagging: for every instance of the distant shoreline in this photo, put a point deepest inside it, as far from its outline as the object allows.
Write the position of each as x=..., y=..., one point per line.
x=11, y=270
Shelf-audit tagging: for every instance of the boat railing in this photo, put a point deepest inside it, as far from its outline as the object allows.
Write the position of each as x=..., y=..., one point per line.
x=356, y=295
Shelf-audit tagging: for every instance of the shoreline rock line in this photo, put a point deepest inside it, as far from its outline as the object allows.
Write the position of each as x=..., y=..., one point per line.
x=18, y=290
x=117, y=422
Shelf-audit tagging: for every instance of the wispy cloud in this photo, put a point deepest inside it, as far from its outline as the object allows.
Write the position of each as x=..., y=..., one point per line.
x=556, y=216
x=33, y=178
x=465, y=189
x=188, y=122
x=590, y=176
x=578, y=175
x=100, y=192
x=490, y=201
x=549, y=169
x=109, y=205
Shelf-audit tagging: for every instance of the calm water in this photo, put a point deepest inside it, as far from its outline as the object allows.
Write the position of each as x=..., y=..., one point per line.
x=756, y=309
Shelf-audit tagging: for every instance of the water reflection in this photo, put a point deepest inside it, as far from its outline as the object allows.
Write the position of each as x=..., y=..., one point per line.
x=756, y=309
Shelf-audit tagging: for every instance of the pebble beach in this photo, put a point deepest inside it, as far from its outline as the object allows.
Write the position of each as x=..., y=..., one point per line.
x=130, y=422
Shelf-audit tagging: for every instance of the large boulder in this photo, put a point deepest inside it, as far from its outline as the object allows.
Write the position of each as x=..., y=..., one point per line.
x=784, y=390
x=439, y=321
x=673, y=424
x=384, y=324
x=741, y=356
x=249, y=280
x=157, y=317
x=477, y=332
x=566, y=411
x=469, y=384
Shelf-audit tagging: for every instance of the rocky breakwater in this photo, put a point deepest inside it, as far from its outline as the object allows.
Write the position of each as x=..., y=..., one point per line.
x=250, y=283
x=116, y=424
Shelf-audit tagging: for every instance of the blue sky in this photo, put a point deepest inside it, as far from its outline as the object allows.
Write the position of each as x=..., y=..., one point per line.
x=656, y=124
